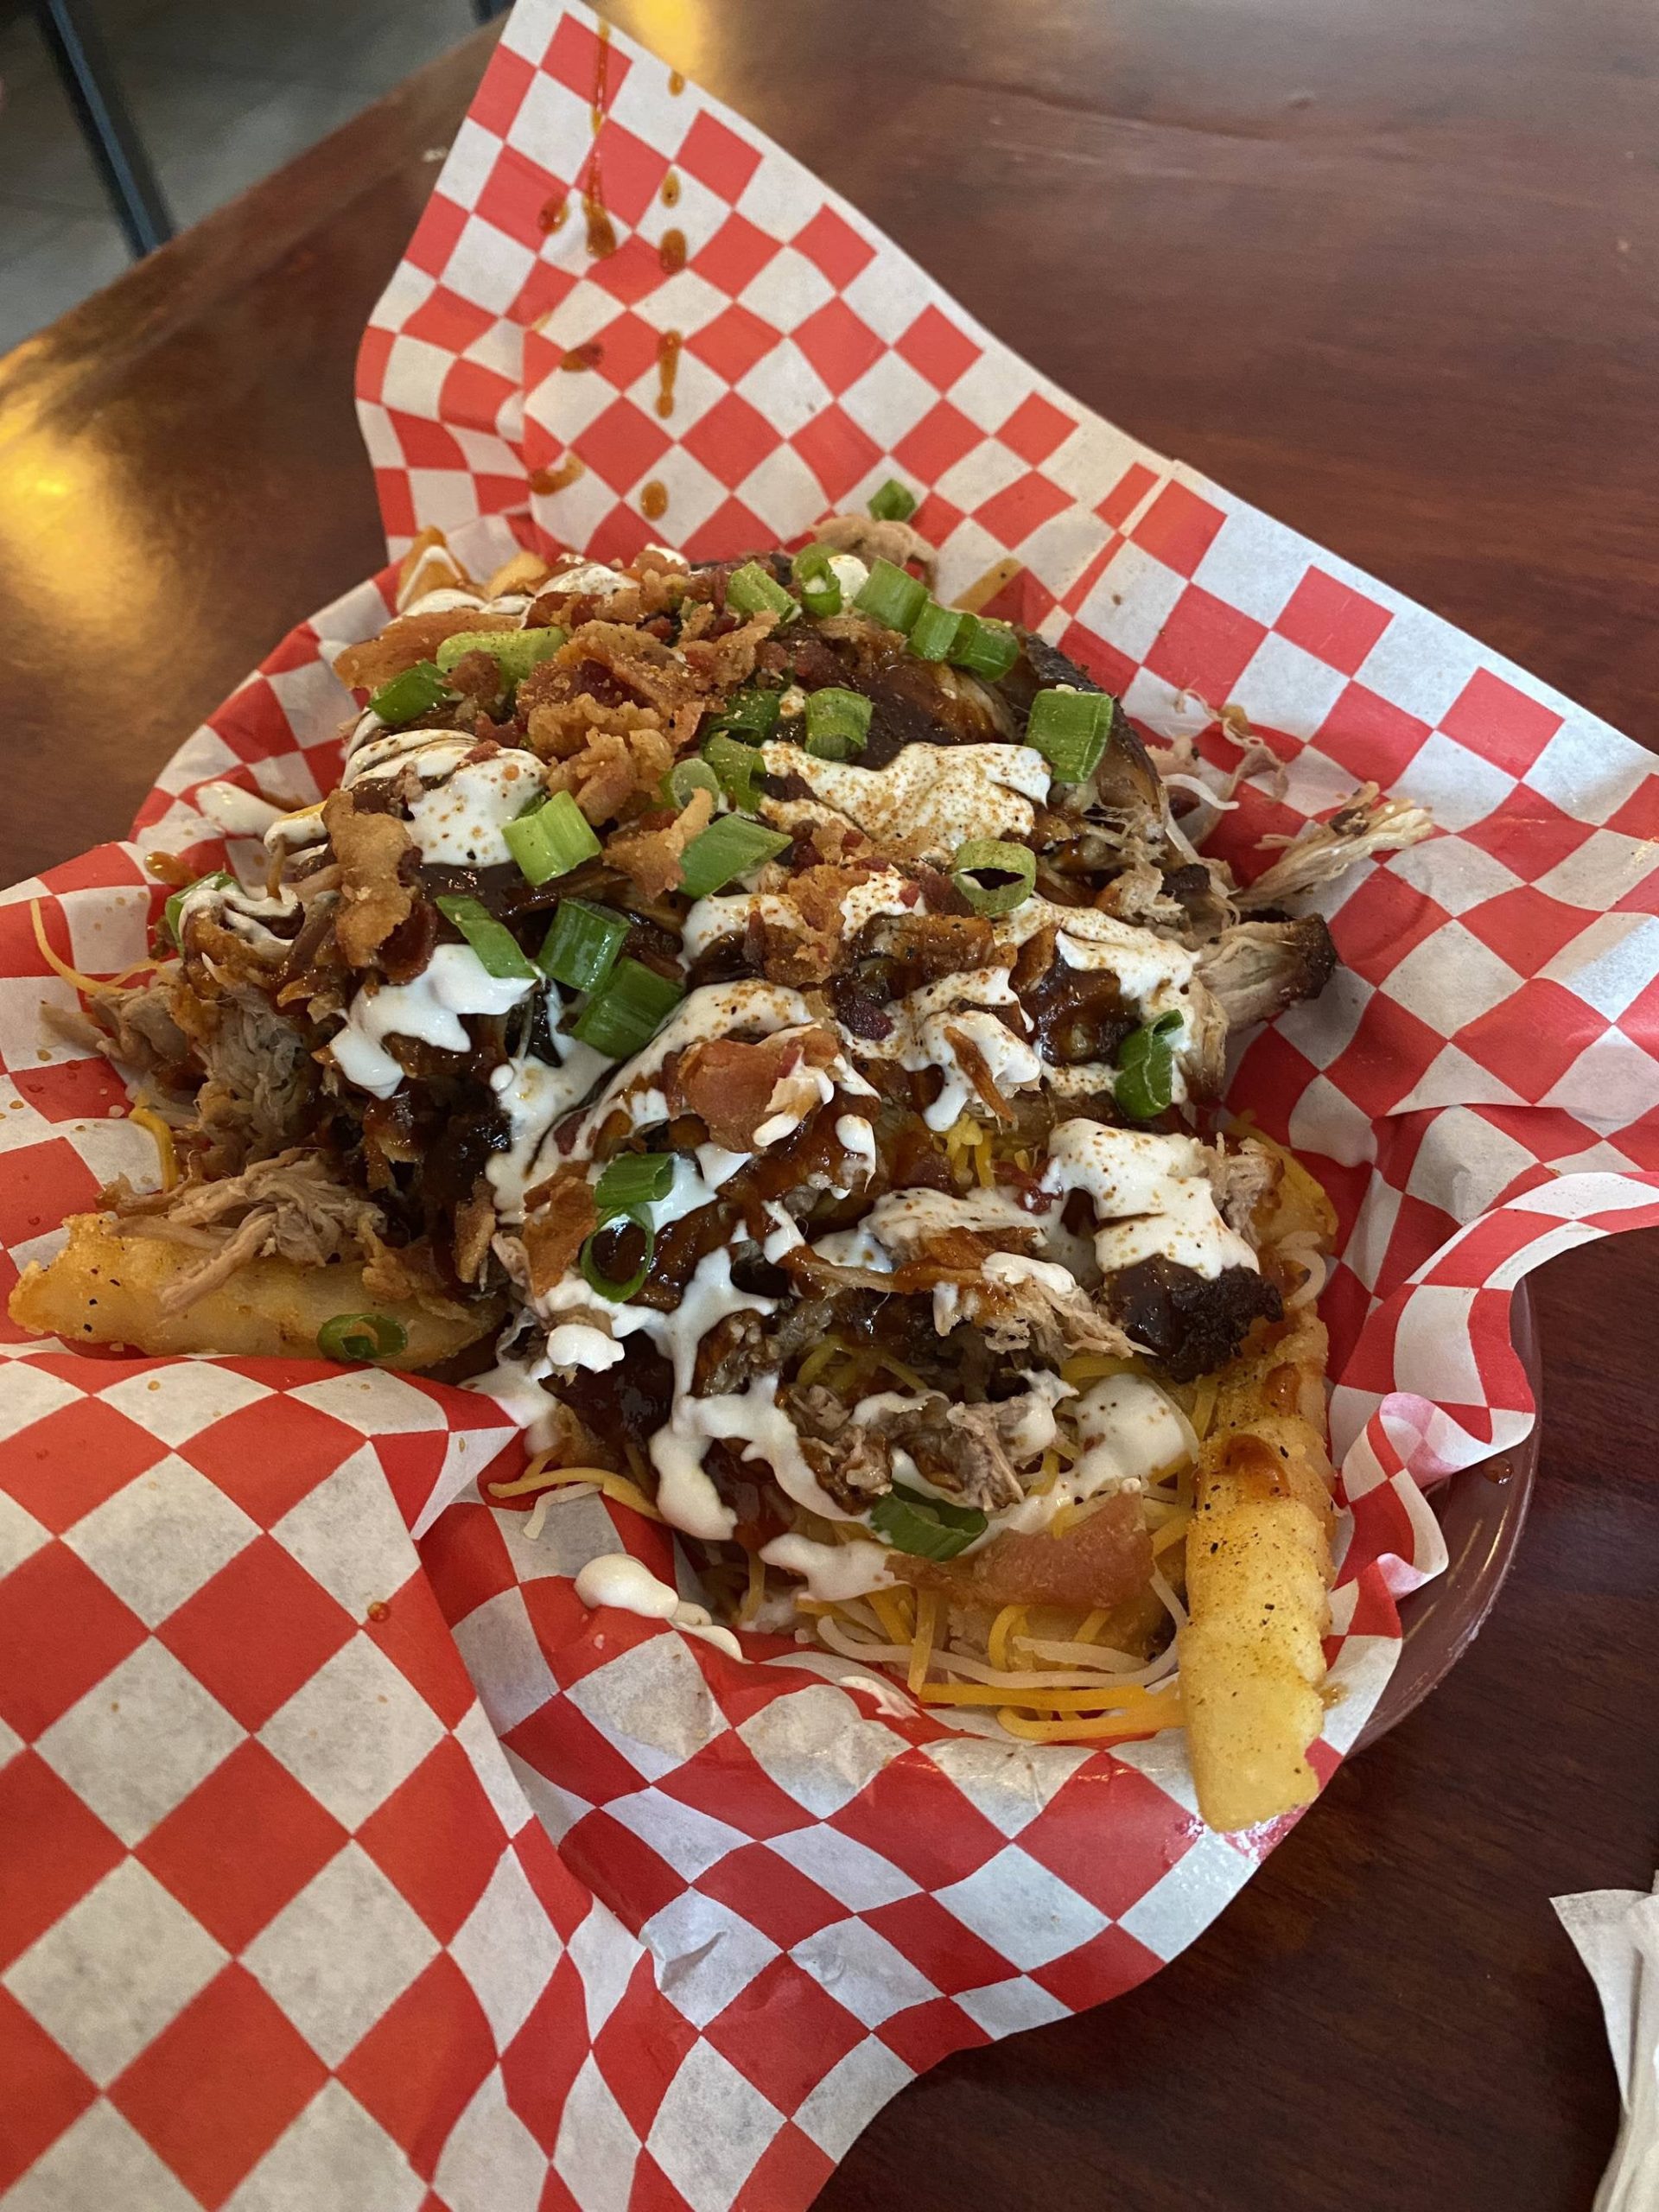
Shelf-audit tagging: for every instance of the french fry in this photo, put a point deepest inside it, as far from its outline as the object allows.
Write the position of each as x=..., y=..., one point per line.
x=105, y=1289
x=1258, y=1568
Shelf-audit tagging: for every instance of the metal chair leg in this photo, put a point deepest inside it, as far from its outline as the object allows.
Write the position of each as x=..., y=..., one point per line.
x=76, y=45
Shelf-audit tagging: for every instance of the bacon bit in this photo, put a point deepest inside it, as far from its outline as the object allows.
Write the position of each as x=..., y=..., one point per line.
x=652, y=859
x=613, y=766
x=1102, y=1562
x=558, y=727
x=563, y=1219
x=735, y=1087
x=474, y=1226
x=722, y=662
x=1035, y=957
x=977, y=1069
x=645, y=665
x=372, y=849
x=412, y=638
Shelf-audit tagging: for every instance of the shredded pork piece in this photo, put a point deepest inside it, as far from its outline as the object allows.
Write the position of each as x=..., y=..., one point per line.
x=1255, y=969
x=245, y=1242
x=309, y=1218
x=1362, y=826
x=1241, y=1180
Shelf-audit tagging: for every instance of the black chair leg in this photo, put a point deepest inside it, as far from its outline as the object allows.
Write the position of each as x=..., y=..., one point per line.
x=76, y=45
x=485, y=8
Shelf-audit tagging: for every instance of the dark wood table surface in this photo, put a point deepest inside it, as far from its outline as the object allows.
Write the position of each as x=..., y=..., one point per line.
x=1393, y=273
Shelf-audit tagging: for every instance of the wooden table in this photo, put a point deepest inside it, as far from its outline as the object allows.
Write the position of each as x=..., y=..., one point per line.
x=1390, y=273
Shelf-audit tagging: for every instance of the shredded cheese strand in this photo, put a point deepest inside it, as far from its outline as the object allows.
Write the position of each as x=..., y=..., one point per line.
x=147, y=1119
x=927, y=1614
x=81, y=981
x=1156, y=1717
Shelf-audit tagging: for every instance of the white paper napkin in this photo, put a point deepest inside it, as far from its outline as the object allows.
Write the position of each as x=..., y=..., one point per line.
x=1616, y=1933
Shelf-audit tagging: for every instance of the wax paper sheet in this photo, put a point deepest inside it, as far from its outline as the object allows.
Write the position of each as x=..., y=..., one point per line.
x=349, y=1860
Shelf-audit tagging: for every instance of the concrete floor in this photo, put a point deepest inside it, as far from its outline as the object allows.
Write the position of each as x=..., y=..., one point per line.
x=224, y=92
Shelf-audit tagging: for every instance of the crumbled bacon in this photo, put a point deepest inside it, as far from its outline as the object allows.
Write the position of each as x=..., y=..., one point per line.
x=561, y=1217
x=612, y=766
x=652, y=858
x=735, y=1087
x=374, y=851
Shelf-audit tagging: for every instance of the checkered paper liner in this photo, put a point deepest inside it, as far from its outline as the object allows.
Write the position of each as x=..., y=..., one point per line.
x=347, y=1859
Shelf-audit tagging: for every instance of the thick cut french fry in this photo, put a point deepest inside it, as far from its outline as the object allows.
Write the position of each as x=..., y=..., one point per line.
x=105, y=1289
x=1258, y=1567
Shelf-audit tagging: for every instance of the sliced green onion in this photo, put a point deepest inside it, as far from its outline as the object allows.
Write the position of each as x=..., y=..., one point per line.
x=837, y=722
x=736, y=766
x=607, y=1286
x=893, y=503
x=581, y=948
x=928, y=1528
x=892, y=595
x=750, y=714
x=687, y=777
x=493, y=942
x=551, y=838
x=175, y=905
x=984, y=649
x=514, y=652
x=730, y=847
x=362, y=1336
x=1145, y=1083
x=627, y=1010
x=1069, y=728
x=934, y=634
x=816, y=581
x=994, y=857
x=405, y=697
x=637, y=1179
x=753, y=589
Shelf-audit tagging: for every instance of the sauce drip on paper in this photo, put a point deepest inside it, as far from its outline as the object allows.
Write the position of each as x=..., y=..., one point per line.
x=671, y=252
x=554, y=211
x=671, y=189
x=601, y=231
x=582, y=357
x=676, y=82
x=653, y=499
x=545, y=482
x=669, y=348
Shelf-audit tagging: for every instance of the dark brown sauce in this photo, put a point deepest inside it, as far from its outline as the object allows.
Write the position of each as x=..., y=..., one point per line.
x=601, y=231
x=676, y=82
x=671, y=195
x=554, y=211
x=653, y=500
x=545, y=482
x=601, y=73
x=1078, y=1015
x=669, y=348
x=671, y=252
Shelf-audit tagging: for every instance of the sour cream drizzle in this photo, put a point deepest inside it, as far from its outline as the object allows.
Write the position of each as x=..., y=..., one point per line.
x=453, y=982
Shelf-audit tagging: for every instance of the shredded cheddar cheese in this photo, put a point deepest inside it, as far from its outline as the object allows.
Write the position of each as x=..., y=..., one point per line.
x=147, y=1119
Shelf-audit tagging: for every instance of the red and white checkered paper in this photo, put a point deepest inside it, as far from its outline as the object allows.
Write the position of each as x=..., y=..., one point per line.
x=347, y=1859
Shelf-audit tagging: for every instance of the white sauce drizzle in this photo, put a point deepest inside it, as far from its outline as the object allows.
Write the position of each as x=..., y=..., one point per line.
x=453, y=982
x=925, y=801
x=628, y=1585
x=1155, y=1193
x=833, y=1573
x=238, y=813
